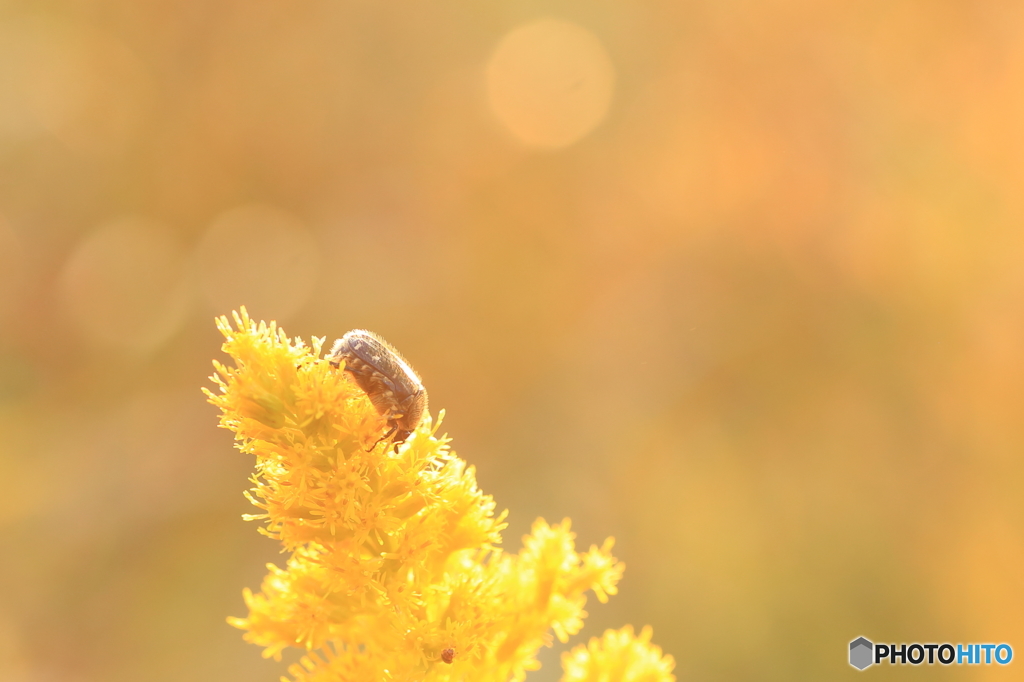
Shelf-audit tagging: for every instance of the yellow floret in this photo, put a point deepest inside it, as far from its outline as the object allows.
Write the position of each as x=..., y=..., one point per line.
x=618, y=656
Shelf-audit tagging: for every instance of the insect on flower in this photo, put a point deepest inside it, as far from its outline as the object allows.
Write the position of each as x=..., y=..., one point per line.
x=448, y=655
x=387, y=379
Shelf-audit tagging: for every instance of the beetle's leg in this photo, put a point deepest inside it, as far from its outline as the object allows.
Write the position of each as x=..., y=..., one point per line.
x=383, y=438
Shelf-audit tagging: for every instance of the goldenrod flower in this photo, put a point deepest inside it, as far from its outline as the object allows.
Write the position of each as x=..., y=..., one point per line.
x=619, y=656
x=394, y=572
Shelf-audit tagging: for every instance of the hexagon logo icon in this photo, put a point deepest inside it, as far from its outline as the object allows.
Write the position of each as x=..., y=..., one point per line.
x=861, y=653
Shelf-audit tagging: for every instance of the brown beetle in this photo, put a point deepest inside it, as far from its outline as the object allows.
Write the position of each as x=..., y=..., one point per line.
x=448, y=655
x=389, y=382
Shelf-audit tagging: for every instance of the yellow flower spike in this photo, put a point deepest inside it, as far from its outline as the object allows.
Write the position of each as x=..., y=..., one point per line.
x=618, y=656
x=394, y=571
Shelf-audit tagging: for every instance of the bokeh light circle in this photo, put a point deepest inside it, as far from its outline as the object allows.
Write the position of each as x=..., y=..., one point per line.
x=258, y=256
x=79, y=84
x=126, y=285
x=550, y=83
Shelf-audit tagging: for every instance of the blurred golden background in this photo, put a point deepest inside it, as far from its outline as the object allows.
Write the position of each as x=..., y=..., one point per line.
x=739, y=283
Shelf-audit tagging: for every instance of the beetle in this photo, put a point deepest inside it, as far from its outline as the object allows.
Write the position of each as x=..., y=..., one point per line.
x=388, y=380
x=448, y=655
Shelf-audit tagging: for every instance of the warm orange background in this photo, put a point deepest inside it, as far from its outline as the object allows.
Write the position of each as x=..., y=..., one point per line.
x=740, y=283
